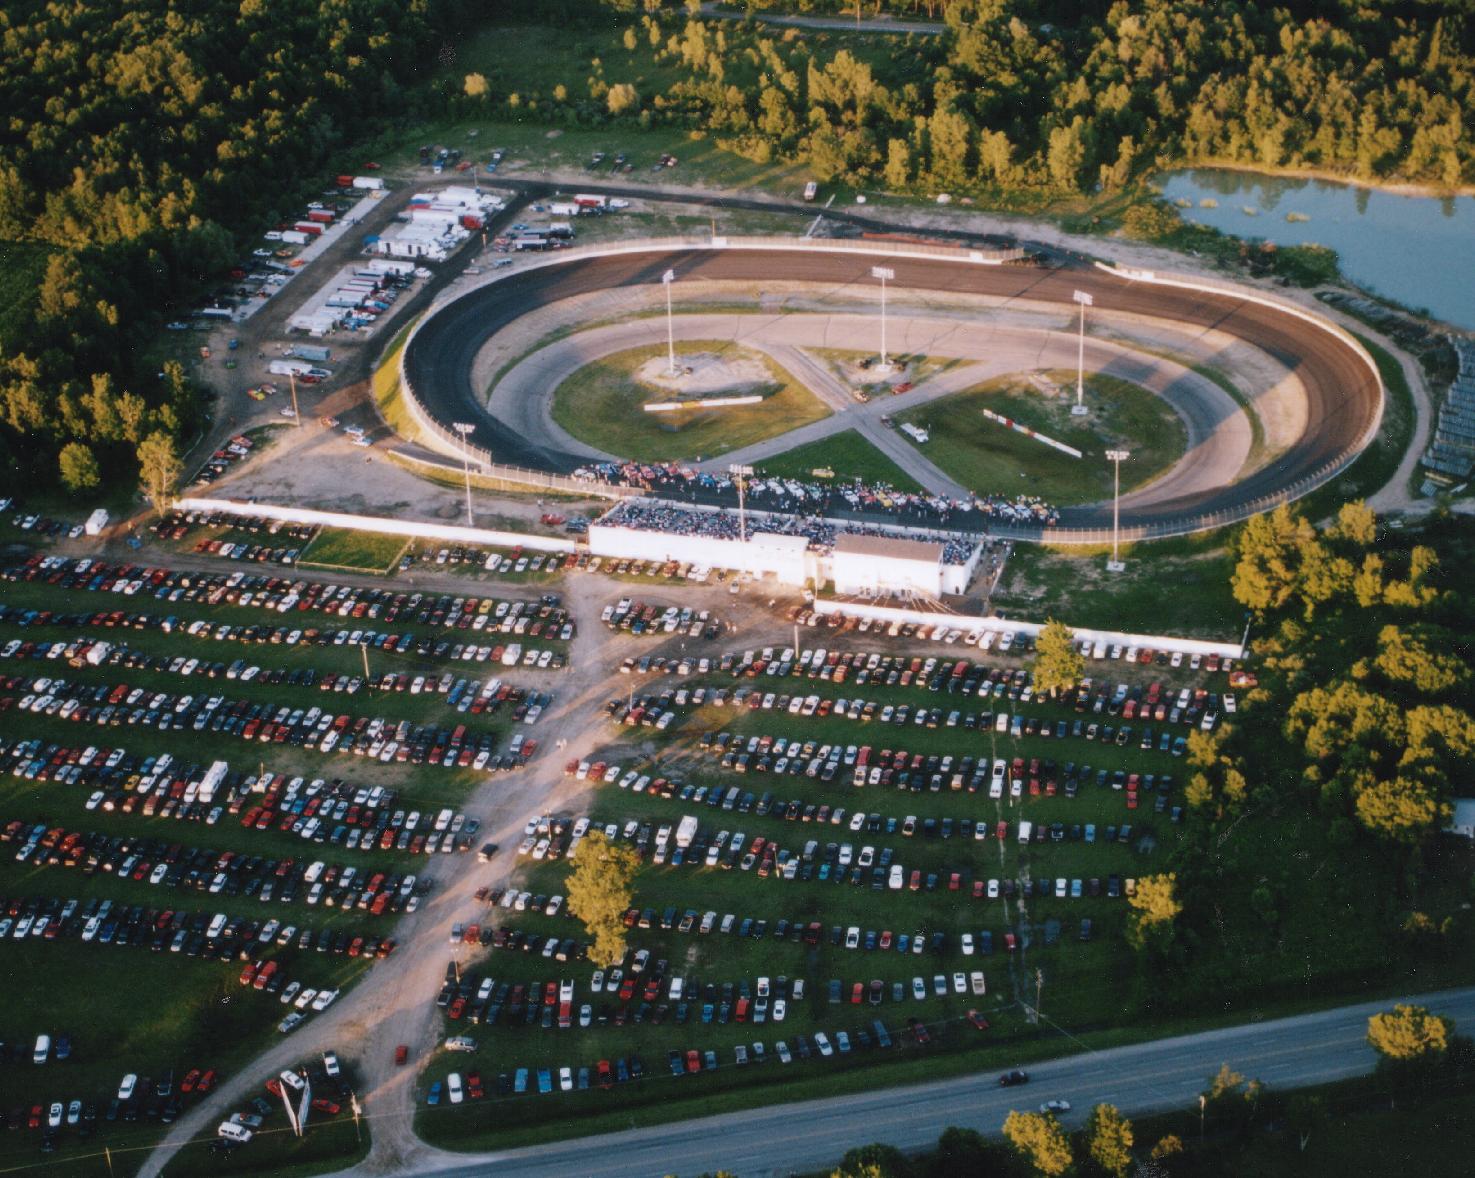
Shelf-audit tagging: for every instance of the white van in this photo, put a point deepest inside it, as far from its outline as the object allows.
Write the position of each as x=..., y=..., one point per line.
x=1026, y=828
x=233, y=1132
x=43, y=1049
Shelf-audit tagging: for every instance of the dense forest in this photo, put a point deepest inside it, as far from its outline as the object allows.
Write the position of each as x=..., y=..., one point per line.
x=1312, y=845
x=139, y=140
x=1050, y=96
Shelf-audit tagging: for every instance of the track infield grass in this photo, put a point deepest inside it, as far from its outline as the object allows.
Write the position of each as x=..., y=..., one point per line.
x=353, y=551
x=601, y=405
x=847, y=454
x=991, y=459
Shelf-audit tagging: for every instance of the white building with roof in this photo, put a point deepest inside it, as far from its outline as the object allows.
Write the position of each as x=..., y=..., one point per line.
x=881, y=566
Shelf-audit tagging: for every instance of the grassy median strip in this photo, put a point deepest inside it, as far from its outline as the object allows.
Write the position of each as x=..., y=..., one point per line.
x=847, y=455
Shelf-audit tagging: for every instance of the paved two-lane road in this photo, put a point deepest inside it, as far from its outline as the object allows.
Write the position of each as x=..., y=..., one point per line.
x=796, y=1138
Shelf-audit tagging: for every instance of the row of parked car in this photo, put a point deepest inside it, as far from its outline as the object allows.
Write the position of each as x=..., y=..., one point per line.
x=192, y=933
x=116, y=704
x=230, y=873
x=638, y=617
x=605, y=1074
x=136, y=1099
x=285, y=595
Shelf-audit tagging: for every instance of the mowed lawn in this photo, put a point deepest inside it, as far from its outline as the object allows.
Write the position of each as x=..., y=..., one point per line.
x=602, y=405
x=354, y=551
x=847, y=454
x=991, y=459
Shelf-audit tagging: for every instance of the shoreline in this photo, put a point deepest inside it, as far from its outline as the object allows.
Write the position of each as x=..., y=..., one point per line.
x=1392, y=188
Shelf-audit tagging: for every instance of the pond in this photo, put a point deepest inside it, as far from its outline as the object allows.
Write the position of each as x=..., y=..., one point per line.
x=1415, y=250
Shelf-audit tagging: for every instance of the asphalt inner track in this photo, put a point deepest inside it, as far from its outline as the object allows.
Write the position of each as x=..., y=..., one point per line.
x=1343, y=395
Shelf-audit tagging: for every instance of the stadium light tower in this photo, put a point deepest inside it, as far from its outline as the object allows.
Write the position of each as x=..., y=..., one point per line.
x=1116, y=458
x=884, y=273
x=666, y=280
x=463, y=428
x=1079, y=408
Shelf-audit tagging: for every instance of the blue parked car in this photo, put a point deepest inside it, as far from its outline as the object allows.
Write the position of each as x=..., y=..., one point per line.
x=433, y=1096
x=545, y=1081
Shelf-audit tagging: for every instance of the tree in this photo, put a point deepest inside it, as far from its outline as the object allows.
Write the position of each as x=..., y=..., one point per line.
x=1409, y=1034
x=599, y=893
x=1271, y=549
x=475, y=86
x=158, y=469
x=622, y=97
x=1041, y=1141
x=877, y=1160
x=79, y=470
x=1155, y=906
x=1109, y=1140
x=1058, y=664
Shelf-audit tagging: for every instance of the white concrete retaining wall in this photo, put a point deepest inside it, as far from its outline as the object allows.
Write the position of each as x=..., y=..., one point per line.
x=882, y=613
x=414, y=529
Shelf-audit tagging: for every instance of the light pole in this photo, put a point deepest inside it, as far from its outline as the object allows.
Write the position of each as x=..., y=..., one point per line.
x=739, y=473
x=1116, y=458
x=1079, y=408
x=296, y=417
x=666, y=280
x=883, y=273
x=463, y=428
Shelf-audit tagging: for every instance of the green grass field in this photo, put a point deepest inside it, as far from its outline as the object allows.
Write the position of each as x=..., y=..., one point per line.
x=601, y=405
x=330, y=1143
x=848, y=454
x=1176, y=587
x=353, y=551
x=989, y=458
x=23, y=265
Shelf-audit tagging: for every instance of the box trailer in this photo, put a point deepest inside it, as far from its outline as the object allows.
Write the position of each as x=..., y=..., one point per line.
x=590, y=200
x=289, y=367
x=294, y=237
x=212, y=781
x=560, y=229
x=686, y=832
x=388, y=266
x=311, y=228
x=563, y=208
x=314, y=352
x=322, y=216
x=345, y=181
x=472, y=221
x=369, y=183
x=96, y=522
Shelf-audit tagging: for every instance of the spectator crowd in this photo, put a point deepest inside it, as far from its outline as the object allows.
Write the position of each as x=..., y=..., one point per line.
x=812, y=499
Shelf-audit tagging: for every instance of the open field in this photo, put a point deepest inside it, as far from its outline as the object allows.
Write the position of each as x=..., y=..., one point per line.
x=990, y=459
x=848, y=454
x=1173, y=587
x=351, y=551
x=601, y=405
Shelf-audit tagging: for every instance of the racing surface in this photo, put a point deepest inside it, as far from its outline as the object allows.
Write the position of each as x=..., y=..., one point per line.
x=1344, y=397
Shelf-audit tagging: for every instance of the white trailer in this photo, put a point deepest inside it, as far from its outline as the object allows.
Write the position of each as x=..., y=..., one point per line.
x=213, y=779
x=686, y=832
x=96, y=522
x=294, y=237
x=289, y=367
x=562, y=208
x=369, y=183
x=916, y=433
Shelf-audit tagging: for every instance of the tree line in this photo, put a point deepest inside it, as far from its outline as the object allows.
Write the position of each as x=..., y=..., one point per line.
x=1020, y=98
x=142, y=143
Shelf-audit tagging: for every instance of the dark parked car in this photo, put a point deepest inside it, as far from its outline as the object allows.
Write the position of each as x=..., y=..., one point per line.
x=1013, y=1079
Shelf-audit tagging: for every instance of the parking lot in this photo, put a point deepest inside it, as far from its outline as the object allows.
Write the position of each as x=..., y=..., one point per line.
x=218, y=789
x=855, y=856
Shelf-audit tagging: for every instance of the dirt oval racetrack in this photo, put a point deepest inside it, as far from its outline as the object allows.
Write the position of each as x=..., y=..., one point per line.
x=1343, y=392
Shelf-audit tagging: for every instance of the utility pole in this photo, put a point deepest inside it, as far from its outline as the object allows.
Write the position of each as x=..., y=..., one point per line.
x=740, y=473
x=464, y=428
x=666, y=280
x=358, y=1111
x=1079, y=408
x=296, y=416
x=1116, y=457
x=368, y=679
x=884, y=273
x=1039, y=985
